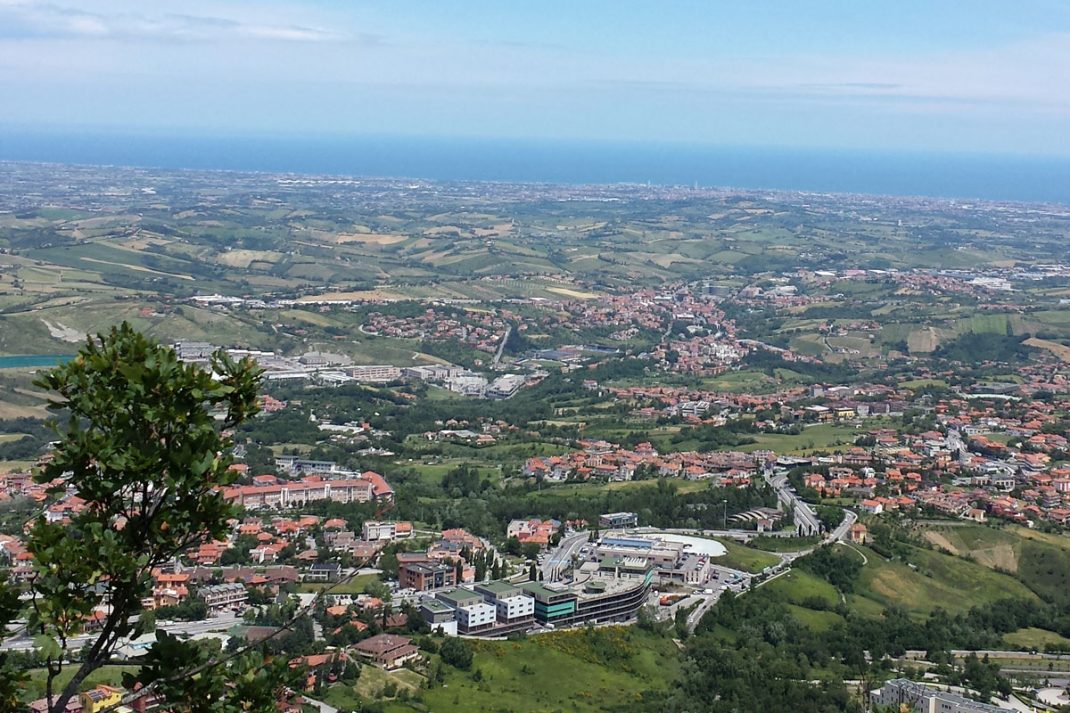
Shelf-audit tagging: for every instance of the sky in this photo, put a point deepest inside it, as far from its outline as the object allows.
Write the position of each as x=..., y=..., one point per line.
x=980, y=76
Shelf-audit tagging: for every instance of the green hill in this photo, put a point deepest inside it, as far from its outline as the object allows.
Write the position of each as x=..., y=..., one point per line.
x=1040, y=561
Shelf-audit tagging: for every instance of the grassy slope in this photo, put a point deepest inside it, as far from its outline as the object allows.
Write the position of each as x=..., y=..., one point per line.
x=1036, y=638
x=939, y=581
x=1041, y=561
x=353, y=586
x=109, y=675
x=554, y=672
x=936, y=580
x=745, y=558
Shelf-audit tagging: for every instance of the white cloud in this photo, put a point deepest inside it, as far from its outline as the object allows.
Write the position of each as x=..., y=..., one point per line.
x=27, y=19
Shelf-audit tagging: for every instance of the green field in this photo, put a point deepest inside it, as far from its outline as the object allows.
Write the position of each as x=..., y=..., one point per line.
x=745, y=558
x=1041, y=561
x=815, y=619
x=1033, y=638
x=822, y=437
x=108, y=675
x=926, y=581
x=558, y=671
x=932, y=580
x=797, y=586
x=356, y=585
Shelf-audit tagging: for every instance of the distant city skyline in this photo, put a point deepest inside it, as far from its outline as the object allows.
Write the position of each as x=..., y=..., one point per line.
x=984, y=76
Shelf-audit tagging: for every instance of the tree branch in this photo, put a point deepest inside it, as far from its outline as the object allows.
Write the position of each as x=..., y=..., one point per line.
x=300, y=612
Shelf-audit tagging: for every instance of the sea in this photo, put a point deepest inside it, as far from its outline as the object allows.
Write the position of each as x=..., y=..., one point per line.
x=962, y=176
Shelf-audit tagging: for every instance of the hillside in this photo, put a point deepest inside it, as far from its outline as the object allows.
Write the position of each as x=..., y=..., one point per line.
x=1040, y=561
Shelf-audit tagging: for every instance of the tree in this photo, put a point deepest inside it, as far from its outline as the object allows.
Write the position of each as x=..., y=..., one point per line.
x=10, y=677
x=142, y=449
x=456, y=652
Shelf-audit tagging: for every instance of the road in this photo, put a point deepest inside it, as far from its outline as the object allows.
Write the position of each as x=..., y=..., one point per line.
x=186, y=628
x=501, y=347
x=804, y=516
x=841, y=531
x=741, y=535
x=557, y=560
x=708, y=600
x=960, y=653
x=783, y=567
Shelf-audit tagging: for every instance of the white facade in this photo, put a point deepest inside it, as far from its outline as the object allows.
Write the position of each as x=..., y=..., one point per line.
x=517, y=607
x=923, y=699
x=380, y=530
x=375, y=373
x=449, y=628
x=477, y=615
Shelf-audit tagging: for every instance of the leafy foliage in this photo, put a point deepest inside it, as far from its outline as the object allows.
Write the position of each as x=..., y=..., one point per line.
x=140, y=460
x=456, y=652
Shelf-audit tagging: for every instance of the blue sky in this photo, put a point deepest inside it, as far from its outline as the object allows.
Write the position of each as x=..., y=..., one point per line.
x=978, y=76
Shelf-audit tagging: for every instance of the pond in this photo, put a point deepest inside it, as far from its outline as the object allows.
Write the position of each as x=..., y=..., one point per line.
x=33, y=360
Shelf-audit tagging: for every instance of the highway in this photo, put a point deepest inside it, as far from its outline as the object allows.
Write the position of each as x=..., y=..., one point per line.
x=557, y=561
x=849, y=518
x=501, y=347
x=708, y=600
x=804, y=516
x=186, y=628
x=741, y=535
x=786, y=559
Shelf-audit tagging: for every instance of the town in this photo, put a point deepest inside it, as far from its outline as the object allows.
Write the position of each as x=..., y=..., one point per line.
x=536, y=441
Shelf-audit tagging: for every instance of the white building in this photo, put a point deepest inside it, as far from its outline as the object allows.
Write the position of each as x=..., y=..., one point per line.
x=476, y=616
x=376, y=373
x=923, y=699
x=515, y=607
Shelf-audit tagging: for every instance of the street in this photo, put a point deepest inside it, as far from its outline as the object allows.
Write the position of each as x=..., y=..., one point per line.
x=184, y=628
x=558, y=560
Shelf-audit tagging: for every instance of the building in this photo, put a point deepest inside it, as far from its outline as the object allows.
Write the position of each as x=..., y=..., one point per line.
x=439, y=616
x=374, y=373
x=618, y=519
x=389, y=531
x=324, y=572
x=919, y=698
x=364, y=487
x=100, y=698
x=472, y=612
x=387, y=650
x=512, y=605
x=426, y=576
x=221, y=596
x=598, y=596
x=660, y=553
x=505, y=386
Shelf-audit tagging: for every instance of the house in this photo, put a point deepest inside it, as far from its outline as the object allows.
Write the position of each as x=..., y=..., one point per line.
x=618, y=520
x=387, y=650
x=858, y=533
x=100, y=698
x=375, y=530
x=221, y=596
x=324, y=572
x=901, y=693
x=426, y=576
x=873, y=507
